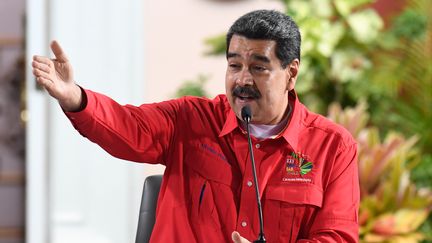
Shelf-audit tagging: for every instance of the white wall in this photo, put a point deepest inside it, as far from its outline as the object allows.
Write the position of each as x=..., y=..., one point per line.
x=78, y=193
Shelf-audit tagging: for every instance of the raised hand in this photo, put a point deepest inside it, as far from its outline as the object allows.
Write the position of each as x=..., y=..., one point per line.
x=56, y=76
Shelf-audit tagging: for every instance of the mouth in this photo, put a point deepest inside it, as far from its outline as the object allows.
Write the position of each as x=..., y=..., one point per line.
x=245, y=94
x=245, y=98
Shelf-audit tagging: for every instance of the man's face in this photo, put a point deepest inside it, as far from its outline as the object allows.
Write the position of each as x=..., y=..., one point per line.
x=256, y=78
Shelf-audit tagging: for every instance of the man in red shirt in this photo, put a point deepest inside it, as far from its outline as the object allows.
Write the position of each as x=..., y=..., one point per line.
x=306, y=165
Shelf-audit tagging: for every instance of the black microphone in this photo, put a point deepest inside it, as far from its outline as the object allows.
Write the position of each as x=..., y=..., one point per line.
x=246, y=115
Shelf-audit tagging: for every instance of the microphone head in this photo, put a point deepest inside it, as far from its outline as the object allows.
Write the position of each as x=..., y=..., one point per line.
x=246, y=113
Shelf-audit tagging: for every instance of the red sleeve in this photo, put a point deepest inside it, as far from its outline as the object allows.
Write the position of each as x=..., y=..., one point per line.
x=337, y=220
x=141, y=134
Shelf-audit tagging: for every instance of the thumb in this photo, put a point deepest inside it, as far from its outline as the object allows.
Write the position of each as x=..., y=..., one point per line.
x=58, y=52
x=236, y=237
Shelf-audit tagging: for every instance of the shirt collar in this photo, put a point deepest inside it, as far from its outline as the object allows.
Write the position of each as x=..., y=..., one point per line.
x=230, y=123
x=291, y=131
x=293, y=128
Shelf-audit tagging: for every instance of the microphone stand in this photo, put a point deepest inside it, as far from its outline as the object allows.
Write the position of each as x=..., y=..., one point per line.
x=246, y=116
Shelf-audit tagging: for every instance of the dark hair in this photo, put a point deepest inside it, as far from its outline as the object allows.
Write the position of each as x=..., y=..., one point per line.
x=270, y=25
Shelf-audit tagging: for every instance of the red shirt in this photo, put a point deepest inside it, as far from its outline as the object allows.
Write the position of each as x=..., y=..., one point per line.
x=308, y=175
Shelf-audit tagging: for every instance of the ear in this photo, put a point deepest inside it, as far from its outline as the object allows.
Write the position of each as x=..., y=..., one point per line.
x=292, y=71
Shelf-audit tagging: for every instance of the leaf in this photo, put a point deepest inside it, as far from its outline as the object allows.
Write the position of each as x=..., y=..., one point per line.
x=216, y=45
x=331, y=34
x=410, y=25
x=408, y=220
x=409, y=238
x=193, y=87
x=322, y=8
x=348, y=65
x=403, y=221
x=345, y=7
x=365, y=25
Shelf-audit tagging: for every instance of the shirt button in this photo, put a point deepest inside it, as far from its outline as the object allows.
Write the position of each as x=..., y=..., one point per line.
x=257, y=145
x=249, y=183
x=243, y=224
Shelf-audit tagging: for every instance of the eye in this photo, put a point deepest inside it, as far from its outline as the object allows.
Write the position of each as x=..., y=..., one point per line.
x=257, y=68
x=234, y=66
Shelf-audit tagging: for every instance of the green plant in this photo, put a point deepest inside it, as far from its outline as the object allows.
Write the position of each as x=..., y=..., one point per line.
x=404, y=73
x=338, y=38
x=193, y=87
x=392, y=208
x=403, y=77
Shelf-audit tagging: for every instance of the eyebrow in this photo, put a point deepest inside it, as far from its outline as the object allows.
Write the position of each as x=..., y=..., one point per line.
x=232, y=54
x=261, y=58
x=254, y=56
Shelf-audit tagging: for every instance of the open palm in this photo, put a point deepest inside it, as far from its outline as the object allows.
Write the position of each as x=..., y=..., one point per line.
x=56, y=76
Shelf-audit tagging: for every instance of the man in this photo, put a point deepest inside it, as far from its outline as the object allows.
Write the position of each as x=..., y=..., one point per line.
x=306, y=165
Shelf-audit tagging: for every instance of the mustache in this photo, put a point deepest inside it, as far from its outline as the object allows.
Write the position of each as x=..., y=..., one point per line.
x=246, y=91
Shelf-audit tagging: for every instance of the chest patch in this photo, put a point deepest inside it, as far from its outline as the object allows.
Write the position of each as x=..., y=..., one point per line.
x=297, y=165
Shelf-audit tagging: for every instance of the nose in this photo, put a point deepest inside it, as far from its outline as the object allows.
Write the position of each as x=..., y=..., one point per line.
x=244, y=78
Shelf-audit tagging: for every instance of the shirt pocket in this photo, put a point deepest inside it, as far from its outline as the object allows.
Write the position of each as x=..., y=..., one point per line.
x=209, y=177
x=289, y=210
x=203, y=207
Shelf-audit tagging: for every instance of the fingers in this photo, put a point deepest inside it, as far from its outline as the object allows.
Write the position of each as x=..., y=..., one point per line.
x=58, y=52
x=42, y=66
x=42, y=69
x=236, y=237
x=42, y=59
x=44, y=82
x=37, y=73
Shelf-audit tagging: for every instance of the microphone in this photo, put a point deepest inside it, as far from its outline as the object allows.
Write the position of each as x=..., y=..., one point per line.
x=246, y=115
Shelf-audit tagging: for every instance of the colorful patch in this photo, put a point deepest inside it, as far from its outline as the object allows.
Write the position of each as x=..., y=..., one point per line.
x=298, y=164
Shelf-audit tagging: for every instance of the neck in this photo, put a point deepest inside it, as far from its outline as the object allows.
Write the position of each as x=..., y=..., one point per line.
x=264, y=131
